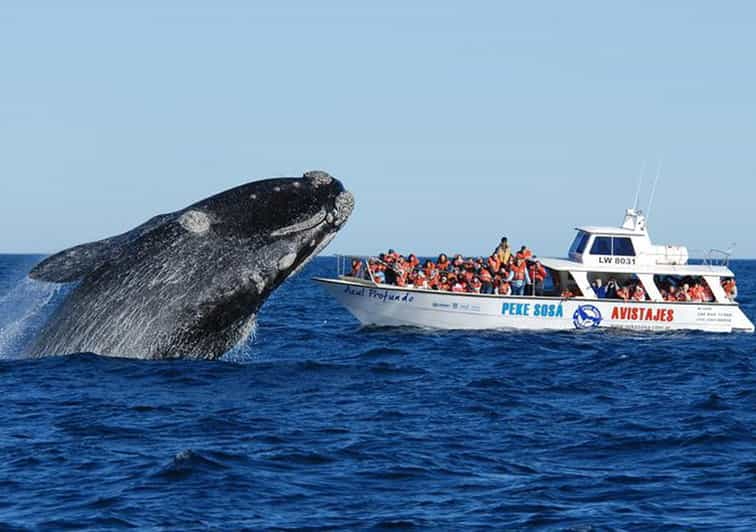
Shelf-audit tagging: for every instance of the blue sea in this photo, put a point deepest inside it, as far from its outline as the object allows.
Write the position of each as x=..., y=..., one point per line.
x=322, y=424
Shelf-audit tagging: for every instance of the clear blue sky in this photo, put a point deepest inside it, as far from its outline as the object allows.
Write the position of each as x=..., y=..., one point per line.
x=453, y=123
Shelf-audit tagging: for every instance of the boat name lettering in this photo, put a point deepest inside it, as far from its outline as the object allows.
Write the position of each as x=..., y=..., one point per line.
x=390, y=295
x=381, y=295
x=538, y=310
x=643, y=314
x=625, y=261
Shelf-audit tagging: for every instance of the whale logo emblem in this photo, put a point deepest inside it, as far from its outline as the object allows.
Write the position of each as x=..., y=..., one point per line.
x=586, y=317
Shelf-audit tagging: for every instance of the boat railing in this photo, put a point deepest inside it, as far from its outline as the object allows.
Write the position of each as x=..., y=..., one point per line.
x=715, y=257
x=718, y=257
x=344, y=266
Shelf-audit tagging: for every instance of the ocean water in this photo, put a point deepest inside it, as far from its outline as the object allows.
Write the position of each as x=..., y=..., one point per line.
x=327, y=425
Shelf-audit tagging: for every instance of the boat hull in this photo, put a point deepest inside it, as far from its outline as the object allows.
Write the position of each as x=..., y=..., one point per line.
x=382, y=305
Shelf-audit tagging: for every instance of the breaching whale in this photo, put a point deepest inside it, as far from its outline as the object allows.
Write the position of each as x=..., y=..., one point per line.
x=189, y=284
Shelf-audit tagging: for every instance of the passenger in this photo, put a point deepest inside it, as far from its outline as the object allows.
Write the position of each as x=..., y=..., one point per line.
x=469, y=272
x=538, y=276
x=611, y=289
x=598, y=289
x=504, y=289
x=639, y=294
x=671, y=294
x=443, y=283
x=519, y=277
x=356, y=268
x=413, y=260
x=503, y=251
x=524, y=253
x=486, y=280
x=730, y=288
x=683, y=293
x=459, y=286
x=379, y=275
x=494, y=263
x=429, y=269
x=388, y=269
x=459, y=262
x=696, y=293
x=623, y=293
x=567, y=294
x=476, y=285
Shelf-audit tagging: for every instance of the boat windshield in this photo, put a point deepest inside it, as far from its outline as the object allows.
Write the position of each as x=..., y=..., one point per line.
x=578, y=245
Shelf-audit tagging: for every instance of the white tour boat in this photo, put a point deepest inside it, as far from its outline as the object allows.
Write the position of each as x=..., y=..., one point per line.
x=623, y=254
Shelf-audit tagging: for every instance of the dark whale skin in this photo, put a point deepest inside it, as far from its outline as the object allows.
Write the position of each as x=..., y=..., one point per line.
x=189, y=284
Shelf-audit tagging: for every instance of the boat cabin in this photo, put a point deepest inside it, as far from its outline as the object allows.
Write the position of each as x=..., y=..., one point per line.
x=626, y=254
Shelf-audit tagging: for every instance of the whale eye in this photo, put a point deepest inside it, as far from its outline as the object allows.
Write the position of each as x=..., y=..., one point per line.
x=196, y=222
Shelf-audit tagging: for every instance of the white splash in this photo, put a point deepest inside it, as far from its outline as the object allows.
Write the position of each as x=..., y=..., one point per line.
x=23, y=312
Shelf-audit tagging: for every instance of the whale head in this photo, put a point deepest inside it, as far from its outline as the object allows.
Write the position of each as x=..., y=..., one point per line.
x=190, y=283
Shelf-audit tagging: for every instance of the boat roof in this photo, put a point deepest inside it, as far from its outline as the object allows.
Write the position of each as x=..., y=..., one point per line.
x=657, y=269
x=610, y=230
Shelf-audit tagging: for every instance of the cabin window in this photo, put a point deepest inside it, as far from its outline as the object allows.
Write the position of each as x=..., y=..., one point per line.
x=578, y=245
x=602, y=245
x=623, y=247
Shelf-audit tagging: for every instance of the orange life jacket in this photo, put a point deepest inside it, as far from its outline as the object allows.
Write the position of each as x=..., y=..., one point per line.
x=519, y=272
x=537, y=273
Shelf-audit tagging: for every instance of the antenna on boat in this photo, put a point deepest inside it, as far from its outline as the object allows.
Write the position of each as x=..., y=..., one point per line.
x=653, y=189
x=640, y=182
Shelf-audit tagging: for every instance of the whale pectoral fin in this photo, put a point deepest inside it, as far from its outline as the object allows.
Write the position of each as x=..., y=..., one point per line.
x=74, y=263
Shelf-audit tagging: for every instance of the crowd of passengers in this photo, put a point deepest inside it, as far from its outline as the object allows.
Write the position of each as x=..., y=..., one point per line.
x=502, y=272
x=507, y=273
x=688, y=289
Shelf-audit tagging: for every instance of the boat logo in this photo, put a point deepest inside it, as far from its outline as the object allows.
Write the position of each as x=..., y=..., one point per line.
x=586, y=317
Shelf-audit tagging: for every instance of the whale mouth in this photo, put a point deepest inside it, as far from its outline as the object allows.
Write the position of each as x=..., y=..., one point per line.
x=308, y=224
x=335, y=217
